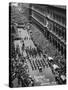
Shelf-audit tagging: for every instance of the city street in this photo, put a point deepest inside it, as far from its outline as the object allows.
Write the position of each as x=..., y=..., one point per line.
x=45, y=77
x=37, y=48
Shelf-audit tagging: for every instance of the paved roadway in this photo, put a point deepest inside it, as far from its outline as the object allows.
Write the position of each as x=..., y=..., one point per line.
x=45, y=77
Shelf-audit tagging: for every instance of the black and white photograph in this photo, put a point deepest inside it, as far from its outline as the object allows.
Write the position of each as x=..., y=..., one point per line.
x=37, y=44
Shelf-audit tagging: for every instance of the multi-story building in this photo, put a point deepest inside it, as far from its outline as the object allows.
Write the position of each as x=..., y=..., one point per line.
x=52, y=22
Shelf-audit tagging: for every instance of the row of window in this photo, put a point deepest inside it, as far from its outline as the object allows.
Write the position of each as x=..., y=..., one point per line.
x=57, y=44
x=39, y=8
x=61, y=32
x=37, y=16
x=59, y=18
x=56, y=16
x=52, y=14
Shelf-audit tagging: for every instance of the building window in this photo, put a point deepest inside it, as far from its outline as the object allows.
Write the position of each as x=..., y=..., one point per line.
x=38, y=17
x=58, y=46
x=63, y=21
x=61, y=50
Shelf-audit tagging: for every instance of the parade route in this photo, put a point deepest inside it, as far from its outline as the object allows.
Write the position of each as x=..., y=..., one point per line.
x=45, y=77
